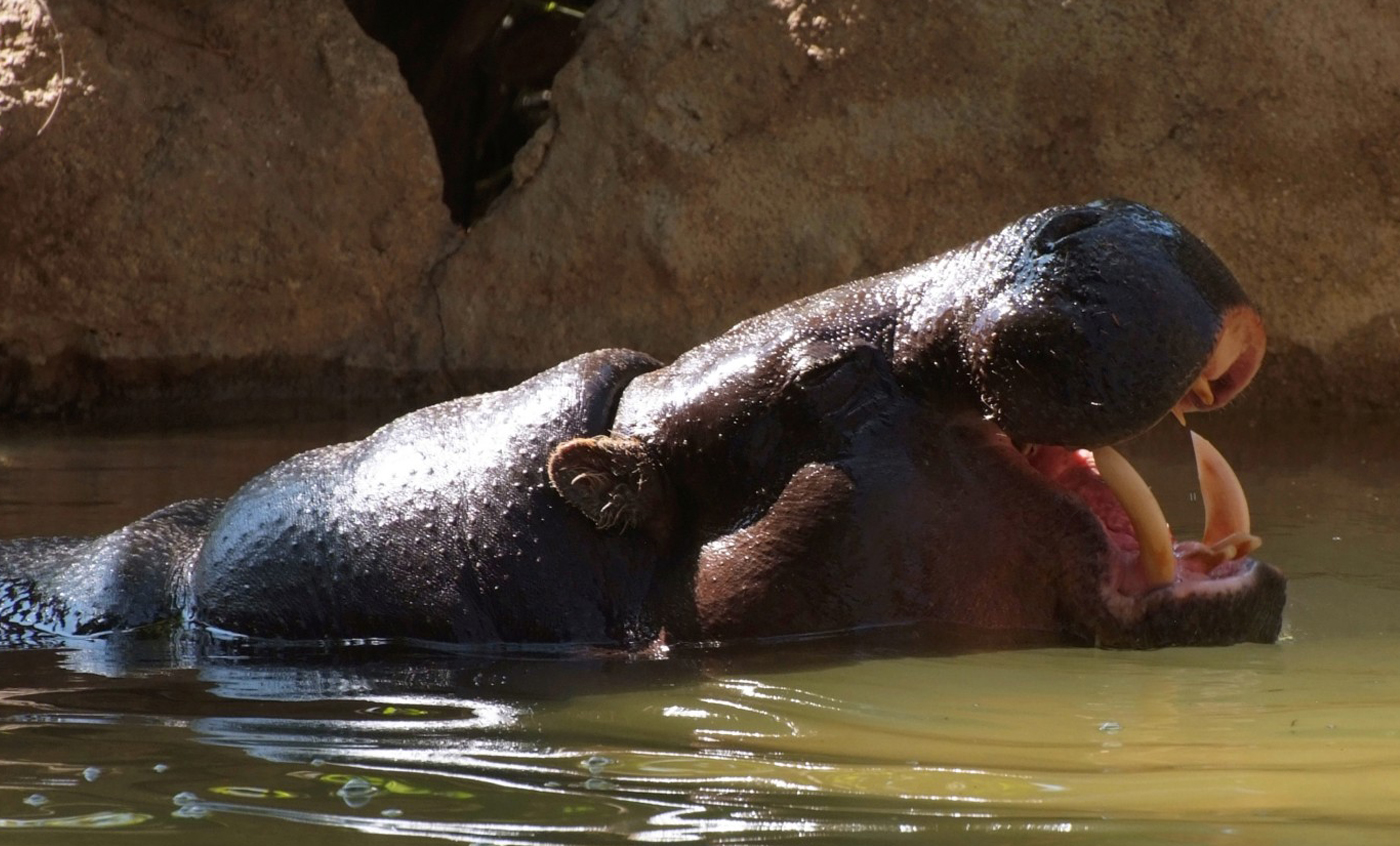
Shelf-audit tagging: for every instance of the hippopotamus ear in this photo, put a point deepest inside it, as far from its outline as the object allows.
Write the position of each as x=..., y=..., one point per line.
x=612, y=480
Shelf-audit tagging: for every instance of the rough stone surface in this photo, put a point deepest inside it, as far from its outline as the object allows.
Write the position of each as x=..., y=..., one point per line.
x=232, y=200
x=33, y=77
x=709, y=159
x=240, y=199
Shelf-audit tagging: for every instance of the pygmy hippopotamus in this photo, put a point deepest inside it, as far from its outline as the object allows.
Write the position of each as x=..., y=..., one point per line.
x=929, y=444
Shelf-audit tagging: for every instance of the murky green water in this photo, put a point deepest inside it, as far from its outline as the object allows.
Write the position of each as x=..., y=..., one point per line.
x=858, y=740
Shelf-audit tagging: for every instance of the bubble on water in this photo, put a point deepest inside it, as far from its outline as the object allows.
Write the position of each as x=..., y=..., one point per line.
x=391, y=812
x=92, y=773
x=357, y=792
x=188, y=806
x=160, y=768
x=1110, y=727
x=36, y=799
x=596, y=763
x=192, y=811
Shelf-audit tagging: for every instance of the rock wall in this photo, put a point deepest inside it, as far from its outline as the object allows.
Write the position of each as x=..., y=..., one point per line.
x=232, y=201
x=712, y=158
x=241, y=199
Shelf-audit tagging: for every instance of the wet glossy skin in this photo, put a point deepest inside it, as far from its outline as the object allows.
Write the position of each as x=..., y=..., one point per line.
x=851, y=459
x=903, y=497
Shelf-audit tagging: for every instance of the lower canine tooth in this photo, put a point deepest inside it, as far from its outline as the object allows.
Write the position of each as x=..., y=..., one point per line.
x=1227, y=512
x=1154, y=538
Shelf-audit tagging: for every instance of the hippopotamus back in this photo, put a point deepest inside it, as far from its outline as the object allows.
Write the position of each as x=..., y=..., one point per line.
x=441, y=525
x=421, y=528
x=80, y=586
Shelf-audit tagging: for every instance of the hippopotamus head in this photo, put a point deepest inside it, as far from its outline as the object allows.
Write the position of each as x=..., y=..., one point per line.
x=935, y=444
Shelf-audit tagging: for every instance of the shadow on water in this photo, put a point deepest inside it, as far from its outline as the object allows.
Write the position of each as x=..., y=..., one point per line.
x=877, y=738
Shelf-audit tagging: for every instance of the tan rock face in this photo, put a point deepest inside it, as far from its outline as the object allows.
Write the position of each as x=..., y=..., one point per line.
x=33, y=76
x=711, y=159
x=241, y=199
x=232, y=199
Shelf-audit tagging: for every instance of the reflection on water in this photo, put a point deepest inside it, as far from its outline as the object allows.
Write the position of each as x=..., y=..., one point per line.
x=869, y=739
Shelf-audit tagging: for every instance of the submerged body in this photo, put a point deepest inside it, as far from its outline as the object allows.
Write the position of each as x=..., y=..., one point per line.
x=902, y=448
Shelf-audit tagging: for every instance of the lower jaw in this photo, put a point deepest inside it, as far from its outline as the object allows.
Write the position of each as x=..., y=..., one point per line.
x=1246, y=607
x=1129, y=579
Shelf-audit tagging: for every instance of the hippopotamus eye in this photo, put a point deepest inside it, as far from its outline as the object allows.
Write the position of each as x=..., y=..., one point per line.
x=828, y=376
x=821, y=372
x=820, y=361
x=1063, y=225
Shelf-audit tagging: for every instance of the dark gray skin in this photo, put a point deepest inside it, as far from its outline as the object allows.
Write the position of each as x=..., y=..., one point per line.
x=851, y=459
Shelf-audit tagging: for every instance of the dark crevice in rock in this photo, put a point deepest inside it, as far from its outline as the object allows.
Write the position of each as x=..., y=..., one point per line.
x=434, y=282
x=481, y=70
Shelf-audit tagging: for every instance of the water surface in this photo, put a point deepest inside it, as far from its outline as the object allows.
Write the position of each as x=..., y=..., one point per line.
x=865, y=739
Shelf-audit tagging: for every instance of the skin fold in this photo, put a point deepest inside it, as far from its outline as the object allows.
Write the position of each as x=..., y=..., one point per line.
x=855, y=458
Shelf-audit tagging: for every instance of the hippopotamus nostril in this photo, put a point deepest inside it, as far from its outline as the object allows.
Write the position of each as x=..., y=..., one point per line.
x=1063, y=225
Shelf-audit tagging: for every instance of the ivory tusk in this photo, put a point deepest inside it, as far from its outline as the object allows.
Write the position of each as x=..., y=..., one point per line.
x=1154, y=538
x=1227, y=511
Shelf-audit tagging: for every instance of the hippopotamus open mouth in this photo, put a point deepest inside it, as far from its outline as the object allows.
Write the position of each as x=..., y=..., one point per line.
x=1155, y=589
x=1209, y=590
x=1146, y=567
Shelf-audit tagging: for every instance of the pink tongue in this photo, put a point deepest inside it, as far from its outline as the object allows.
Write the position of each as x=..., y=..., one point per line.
x=1069, y=469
